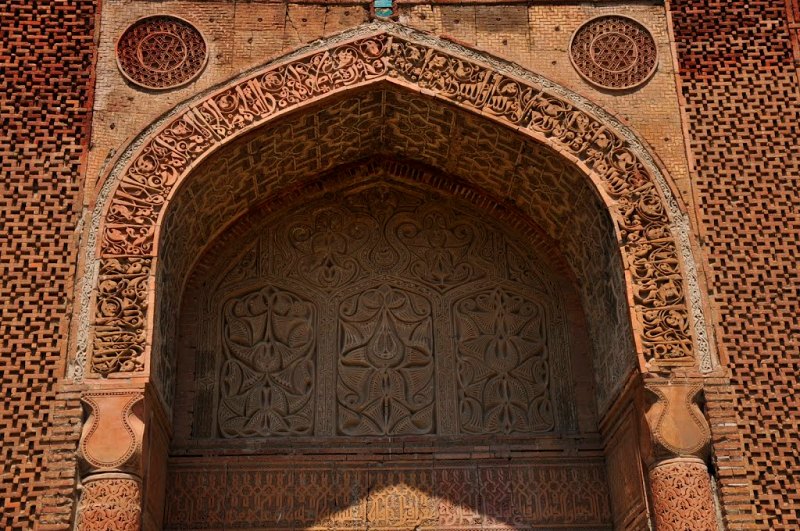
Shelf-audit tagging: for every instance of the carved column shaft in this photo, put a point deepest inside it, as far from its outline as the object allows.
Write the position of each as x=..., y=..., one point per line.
x=110, y=501
x=680, y=483
x=110, y=454
x=682, y=495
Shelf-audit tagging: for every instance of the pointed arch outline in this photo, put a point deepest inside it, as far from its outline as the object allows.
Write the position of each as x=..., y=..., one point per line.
x=114, y=331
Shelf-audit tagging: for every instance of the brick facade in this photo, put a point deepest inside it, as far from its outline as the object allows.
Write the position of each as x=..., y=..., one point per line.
x=720, y=113
x=46, y=83
x=740, y=83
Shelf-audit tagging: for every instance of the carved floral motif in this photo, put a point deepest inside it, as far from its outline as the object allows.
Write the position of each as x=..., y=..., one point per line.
x=682, y=497
x=110, y=504
x=385, y=384
x=503, y=368
x=164, y=160
x=268, y=374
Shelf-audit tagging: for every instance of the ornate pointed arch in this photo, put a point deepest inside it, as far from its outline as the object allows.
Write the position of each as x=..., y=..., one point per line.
x=651, y=225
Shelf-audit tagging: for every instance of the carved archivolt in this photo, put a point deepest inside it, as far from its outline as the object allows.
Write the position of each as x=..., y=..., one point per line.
x=138, y=195
x=379, y=310
x=112, y=434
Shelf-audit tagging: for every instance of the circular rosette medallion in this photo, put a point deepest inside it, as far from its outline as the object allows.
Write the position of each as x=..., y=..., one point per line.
x=161, y=52
x=614, y=52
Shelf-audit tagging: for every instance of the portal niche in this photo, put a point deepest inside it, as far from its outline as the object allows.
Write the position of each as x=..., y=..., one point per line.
x=379, y=351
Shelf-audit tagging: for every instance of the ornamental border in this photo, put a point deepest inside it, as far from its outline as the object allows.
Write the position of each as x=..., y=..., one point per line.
x=678, y=219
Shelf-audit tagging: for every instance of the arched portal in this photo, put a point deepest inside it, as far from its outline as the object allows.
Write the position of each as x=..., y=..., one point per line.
x=377, y=328
x=382, y=90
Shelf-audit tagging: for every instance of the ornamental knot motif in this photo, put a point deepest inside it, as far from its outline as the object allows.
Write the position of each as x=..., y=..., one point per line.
x=161, y=52
x=614, y=52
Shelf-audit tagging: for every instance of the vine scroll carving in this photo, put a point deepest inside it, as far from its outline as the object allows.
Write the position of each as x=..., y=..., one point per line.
x=640, y=202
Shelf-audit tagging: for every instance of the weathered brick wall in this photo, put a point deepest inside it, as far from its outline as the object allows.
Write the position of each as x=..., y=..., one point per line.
x=742, y=103
x=45, y=97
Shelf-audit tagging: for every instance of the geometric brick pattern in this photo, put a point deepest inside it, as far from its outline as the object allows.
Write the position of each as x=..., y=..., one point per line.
x=45, y=99
x=161, y=52
x=614, y=52
x=740, y=84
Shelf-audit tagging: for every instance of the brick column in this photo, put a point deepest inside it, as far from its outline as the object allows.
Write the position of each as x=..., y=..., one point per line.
x=682, y=497
x=110, y=454
x=680, y=484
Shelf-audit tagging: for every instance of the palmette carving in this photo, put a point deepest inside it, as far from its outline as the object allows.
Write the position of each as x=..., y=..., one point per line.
x=166, y=157
x=503, y=367
x=385, y=384
x=267, y=376
x=442, y=248
x=327, y=248
x=682, y=496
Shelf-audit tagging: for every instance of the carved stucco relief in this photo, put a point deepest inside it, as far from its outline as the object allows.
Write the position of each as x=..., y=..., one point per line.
x=398, y=314
x=636, y=193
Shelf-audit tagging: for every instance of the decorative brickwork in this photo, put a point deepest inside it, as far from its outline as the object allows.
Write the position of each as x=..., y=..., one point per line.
x=643, y=205
x=614, y=52
x=46, y=83
x=740, y=84
x=161, y=52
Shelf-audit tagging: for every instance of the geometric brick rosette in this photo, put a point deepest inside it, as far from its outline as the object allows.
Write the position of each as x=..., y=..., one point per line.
x=161, y=52
x=613, y=52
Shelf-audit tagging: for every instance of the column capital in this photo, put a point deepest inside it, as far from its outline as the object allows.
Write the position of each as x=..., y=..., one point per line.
x=111, y=439
x=676, y=424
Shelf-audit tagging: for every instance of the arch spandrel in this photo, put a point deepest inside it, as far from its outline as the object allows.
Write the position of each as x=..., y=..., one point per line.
x=650, y=226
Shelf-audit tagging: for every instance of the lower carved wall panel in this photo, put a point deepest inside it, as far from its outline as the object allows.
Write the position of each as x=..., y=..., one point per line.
x=255, y=493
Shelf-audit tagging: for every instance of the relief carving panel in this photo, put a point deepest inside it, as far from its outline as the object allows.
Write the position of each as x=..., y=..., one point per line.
x=503, y=371
x=380, y=310
x=267, y=377
x=385, y=383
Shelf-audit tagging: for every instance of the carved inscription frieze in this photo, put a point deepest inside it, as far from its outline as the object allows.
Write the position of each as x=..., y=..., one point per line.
x=459, y=496
x=400, y=316
x=165, y=158
x=120, y=315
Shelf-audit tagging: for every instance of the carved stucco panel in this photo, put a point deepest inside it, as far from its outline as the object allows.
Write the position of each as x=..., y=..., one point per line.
x=398, y=313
